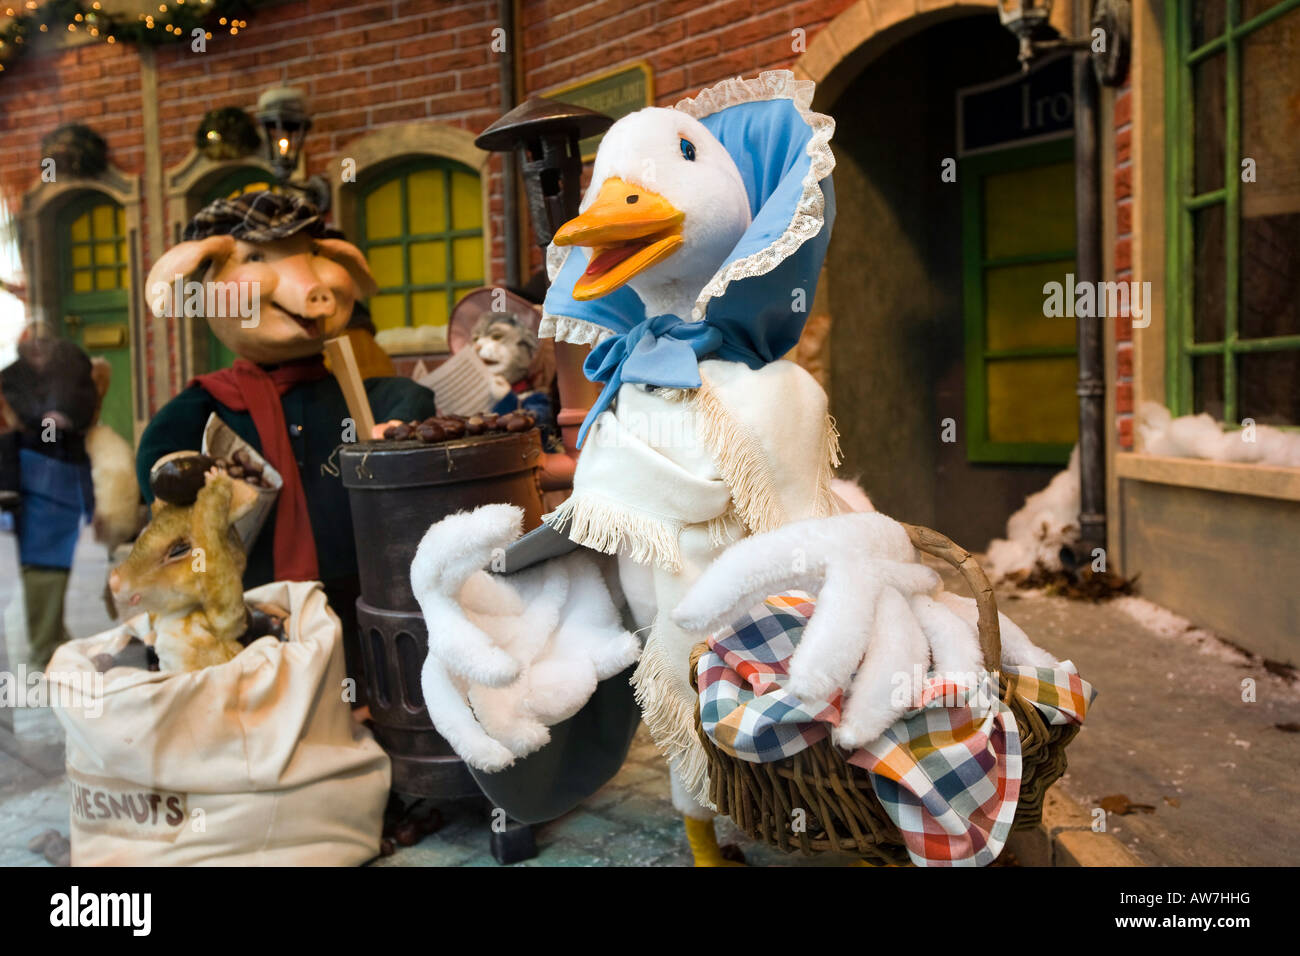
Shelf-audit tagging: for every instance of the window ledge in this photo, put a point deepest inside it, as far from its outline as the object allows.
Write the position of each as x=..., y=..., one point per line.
x=1265, y=481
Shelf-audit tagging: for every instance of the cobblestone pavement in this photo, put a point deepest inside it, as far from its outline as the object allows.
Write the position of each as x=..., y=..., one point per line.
x=1170, y=730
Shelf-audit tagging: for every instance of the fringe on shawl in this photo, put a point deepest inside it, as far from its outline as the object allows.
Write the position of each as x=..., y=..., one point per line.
x=670, y=718
x=604, y=526
x=746, y=469
x=826, y=471
x=741, y=461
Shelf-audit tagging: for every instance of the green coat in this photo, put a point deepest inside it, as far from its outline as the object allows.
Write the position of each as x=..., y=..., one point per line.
x=314, y=412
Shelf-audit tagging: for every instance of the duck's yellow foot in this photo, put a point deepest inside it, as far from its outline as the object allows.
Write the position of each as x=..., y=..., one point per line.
x=704, y=844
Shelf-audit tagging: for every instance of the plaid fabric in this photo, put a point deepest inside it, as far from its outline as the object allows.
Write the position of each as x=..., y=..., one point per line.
x=947, y=772
x=260, y=217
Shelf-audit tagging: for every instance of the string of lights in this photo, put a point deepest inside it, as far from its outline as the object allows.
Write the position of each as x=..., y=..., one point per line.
x=174, y=21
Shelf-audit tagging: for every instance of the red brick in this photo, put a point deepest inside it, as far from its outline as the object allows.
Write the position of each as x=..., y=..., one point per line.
x=1124, y=397
x=1125, y=431
x=1124, y=218
x=1123, y=255
x=1123, y=328
x=1124, y=361
x=1124, y=145
x=1123, y=182
x=1123, y=108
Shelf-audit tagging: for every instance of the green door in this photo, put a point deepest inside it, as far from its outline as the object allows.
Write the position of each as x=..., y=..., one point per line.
x=95, y=285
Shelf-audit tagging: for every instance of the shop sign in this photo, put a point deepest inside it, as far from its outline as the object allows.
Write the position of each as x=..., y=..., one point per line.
x=1024, y=108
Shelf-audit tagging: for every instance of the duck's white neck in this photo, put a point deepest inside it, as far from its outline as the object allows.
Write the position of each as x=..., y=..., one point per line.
x=675, y=297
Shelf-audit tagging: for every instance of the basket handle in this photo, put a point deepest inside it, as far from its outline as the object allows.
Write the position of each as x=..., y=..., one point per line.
x=942, y=547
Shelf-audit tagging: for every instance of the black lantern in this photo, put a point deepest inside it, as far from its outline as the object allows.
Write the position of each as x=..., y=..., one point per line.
x=282, y=113
x=1109, y=42
x=546, y=134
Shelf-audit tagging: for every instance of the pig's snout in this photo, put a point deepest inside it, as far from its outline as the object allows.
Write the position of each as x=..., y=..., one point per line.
x=318, y=303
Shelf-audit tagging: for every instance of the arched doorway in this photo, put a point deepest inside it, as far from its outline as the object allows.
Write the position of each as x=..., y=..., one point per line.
x=953, y=392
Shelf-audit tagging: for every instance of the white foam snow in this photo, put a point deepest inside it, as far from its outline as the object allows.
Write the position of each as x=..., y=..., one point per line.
x=1200, y=436
x=1048, y=520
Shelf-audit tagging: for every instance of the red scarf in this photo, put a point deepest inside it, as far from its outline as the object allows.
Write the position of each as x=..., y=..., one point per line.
x=245, y=387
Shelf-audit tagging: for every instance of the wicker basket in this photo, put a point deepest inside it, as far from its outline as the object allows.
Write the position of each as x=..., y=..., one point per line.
x=842, y=812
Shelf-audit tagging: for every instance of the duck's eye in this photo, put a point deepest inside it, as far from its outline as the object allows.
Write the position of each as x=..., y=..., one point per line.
x=688, y=150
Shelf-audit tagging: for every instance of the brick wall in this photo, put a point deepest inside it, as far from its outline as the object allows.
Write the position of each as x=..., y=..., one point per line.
x=689, y=44
x=1123, y=120
x=96, y=84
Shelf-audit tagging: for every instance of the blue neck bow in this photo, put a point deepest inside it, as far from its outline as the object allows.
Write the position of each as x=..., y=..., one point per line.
x=756, y=319
x=663, y=351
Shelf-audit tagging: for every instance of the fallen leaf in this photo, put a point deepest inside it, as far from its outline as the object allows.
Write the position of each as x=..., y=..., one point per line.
x=1120, y=805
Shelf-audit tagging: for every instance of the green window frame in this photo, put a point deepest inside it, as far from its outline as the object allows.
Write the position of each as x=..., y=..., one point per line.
x=973, y=170
x=1183, y=202
x=454, y=286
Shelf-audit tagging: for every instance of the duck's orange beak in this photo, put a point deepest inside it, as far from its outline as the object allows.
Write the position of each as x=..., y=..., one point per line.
x=628, y=229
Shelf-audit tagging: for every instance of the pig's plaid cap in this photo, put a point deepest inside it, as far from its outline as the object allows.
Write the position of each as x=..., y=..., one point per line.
x=260, y=217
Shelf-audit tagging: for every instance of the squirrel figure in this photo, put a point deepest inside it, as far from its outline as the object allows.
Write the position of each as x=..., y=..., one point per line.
x=186, y=570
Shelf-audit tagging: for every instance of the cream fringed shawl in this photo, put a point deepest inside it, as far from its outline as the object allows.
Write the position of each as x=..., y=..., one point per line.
x=670, y=477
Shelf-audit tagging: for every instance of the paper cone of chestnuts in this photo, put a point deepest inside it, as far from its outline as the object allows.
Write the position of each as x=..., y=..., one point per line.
x=176, y=478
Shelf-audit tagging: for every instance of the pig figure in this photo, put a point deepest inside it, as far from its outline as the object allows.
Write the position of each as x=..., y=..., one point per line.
x=282, y=283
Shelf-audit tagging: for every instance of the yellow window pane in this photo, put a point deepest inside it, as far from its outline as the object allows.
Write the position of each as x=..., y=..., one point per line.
x=105, y=279
x=121, y=251
x=429, y=308
x=1029, y=210
x=1033, y=400
x=105, y=253
x=81, y=228
x=467, y=259
x=121, y=278
x=121, y=221
x=428, y=263
x=388, y=311
x=104, y=220
x=386, y=265
x=466, y=201
x=1014, y=302
x=80, y=256
x=426, y=192
x=384, y=211
x=83, y=281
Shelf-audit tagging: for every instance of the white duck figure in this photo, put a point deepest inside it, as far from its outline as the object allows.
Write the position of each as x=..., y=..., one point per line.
x=703, y=436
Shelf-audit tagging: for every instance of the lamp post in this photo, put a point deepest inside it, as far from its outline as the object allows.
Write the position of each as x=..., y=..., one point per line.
x=546, y=135
x=1102, y=57
x=282, y=114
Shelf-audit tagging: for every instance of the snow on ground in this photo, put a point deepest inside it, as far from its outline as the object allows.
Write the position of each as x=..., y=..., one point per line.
x=1164, y=623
